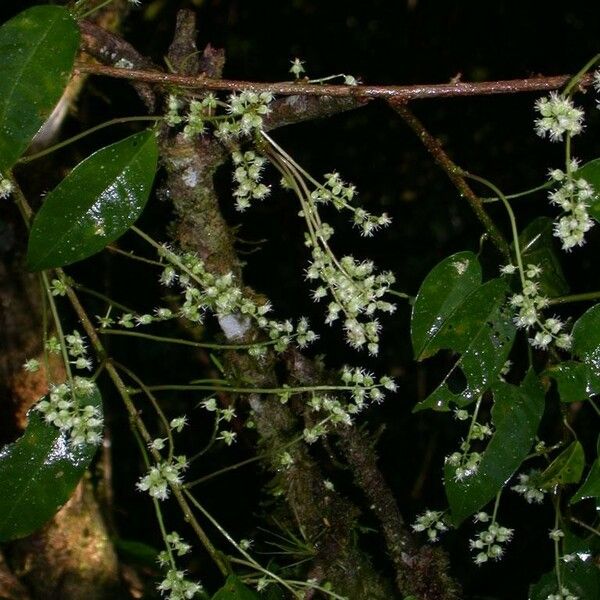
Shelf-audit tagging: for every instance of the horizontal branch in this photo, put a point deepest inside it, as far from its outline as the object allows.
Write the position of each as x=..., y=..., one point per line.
x=396, y=92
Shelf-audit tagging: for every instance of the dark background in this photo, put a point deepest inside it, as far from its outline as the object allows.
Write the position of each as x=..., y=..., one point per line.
x=382, y=42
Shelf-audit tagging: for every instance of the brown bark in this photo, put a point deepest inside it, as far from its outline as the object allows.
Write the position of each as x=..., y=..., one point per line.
x=327, y=518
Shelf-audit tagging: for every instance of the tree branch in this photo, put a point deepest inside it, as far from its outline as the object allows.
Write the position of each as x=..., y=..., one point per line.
x=387, y=92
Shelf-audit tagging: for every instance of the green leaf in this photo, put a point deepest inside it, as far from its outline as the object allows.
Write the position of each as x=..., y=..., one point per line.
x=234, y=589
x=580, y=576
x=137, y=552
x=567, y=467
x=537, y=244
x=441, y=293
x=574, y=380
x=482, y=331
x=586, y=341
x=38, y=473
x=591, y=173
x=590, y=488
x=95, y=204
x=516, y=415
x=38, y=49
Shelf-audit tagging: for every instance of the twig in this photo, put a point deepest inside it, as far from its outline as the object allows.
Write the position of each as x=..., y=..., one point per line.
x=141, y=427
x=434, y=147
x=388, y=92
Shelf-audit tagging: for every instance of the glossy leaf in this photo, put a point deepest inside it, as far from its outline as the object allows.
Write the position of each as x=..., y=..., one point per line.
x=537, y=244
x=516, y=415
x=37, y=50
x=567, y=467
x=442, y=292
x=591, y=173
x=483, y=333
x=574, y=380
x=38, y=473
x=95, y=204
x=580, y=576
x=586, y=341
x=234, y=589
x=590, y=488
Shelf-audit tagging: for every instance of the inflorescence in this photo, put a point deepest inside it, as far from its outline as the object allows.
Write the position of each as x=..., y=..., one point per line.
x=560, y=118
x=354, y=289
x=528, y=305
x=67, y=407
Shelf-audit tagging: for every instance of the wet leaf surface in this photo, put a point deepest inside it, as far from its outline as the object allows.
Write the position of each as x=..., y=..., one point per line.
x=39, y=473
x=38, y=49
x=516, y=415
x=95, y=204
x=441, y=293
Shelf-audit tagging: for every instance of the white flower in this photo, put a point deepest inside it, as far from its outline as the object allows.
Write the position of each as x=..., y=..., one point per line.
x=178, y=423
x=558, y=115
x=556, y=534
x=162, y=475
x=508, y=269
x=6, y=188
x=177, y=587
x=297, y=67
x=65, y=408
x=157, y=444
x=487, y=543
x=432, y=522
x=31, y=365
x=526, y=487
x=228, y=437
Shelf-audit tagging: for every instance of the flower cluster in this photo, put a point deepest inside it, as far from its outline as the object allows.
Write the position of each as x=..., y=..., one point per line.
x=161, y=476
x=487, y=544
x=431, y=521
x=77, y=349
x=203, y=291
x=176, y=546
x=466, y=462
x=244, y=114
x=70, y=411
x=52, y=345
x=562, y=594
x=222, y=415
x=176, y=587
x=527, y=487
x=356, y=292
x=558, y=116
x=247, y=178
x=340, y=195
x=528, y=305
x=6, y=187
x=200, y=112
x=573, y=196
x=247, y=110
x=331, y=410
